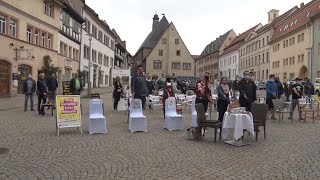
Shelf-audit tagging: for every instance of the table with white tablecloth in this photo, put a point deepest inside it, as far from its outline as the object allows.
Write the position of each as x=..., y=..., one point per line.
x=238, y=122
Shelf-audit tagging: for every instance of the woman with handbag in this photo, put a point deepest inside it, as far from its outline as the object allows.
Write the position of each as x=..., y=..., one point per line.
x=117, y=91
x=223, y=97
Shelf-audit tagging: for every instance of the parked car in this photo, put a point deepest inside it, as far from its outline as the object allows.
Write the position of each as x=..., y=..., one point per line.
x=191, y=81
x=260, y=85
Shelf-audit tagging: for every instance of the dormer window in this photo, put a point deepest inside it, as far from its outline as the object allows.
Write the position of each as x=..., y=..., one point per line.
x=292, y=23
x=295, y=22
x=308, y=14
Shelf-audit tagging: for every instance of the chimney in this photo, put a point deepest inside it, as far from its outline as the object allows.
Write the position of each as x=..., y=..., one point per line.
x=155, y=21
x=301, y=5
x=272, y=15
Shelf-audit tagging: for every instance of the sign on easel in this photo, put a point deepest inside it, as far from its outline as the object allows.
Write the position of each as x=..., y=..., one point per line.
x=68, y=112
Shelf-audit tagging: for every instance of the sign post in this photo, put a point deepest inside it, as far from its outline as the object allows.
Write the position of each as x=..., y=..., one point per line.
x=68, y=112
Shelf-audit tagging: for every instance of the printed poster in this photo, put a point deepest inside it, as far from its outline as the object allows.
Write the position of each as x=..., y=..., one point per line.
x=68, y=111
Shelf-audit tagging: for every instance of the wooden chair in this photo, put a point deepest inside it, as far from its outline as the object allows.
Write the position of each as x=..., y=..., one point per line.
x=307, y=108
x=259, y=113
x=281, y=108
x=203, y=123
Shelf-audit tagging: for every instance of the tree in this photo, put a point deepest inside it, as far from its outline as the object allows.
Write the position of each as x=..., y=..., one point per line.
x=48, y=69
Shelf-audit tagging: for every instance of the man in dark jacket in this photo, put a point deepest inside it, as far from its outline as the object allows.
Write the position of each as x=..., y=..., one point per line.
x=247, y=91
x=139, y=86
x=29, y=88
x=42, y=93
x=52, y=87
x=279, y=86
x=75, y=85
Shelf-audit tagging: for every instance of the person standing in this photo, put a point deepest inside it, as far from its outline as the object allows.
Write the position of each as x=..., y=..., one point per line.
x=139, y=87
x=288, y=86
x=247, y=91
x=29, y=88
x=308, y=88
x=174, y=84
x=223, y=98
x=150, y=85
x=75, y=85
x=297, y=93
x=203, y=91
x=52, y=87
x=279, y=86
x=272, y=93
x=42, y=93
x=117, y=91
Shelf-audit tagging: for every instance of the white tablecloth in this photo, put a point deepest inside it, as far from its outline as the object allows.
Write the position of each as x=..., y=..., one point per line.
x=238, y=122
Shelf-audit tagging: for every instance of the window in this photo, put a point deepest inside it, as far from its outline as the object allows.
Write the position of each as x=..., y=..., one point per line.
x=13, y=28
x=94, y=56
x=29, y=34
x=298, y=58
x=302, y=37
x=65, y=50
x=298, y=38
x=112, y=45
x=263, y=42
x=48, y=9
x=111, y=61
x=106, y=61
x=94, y=31
x=161, y=52
x=86, y=52
x=164, y=41
x=36, y=37
x=293, y=60
x=49, y=41
x=100, y=36
x=100, y=58
x=43, y=39
x=177, y=41
x=2, y=24
x=287, y=63
x=176, y=65
x=302, y=58
x=87, y=25
x=106, y=79
x=187, y=66
x=178, y=53
x=157, y=65
x=286, y=43
x=267, y=58
x=267, y=39
x=263, y=58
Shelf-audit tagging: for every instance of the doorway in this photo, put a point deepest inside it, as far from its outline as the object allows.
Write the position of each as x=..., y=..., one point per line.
x=4, y=78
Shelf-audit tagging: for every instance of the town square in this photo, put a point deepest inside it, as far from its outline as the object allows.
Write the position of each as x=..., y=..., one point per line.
x=122, y=89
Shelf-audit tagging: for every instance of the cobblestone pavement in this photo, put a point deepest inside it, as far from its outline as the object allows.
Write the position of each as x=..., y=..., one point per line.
x=291, y=150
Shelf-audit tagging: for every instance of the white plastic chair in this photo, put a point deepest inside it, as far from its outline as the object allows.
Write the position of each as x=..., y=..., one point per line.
x=97, y=121
x=137, y=121
x=173, y=121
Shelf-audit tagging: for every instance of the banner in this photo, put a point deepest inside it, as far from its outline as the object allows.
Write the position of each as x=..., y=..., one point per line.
x=317, y=98
x=68, y=111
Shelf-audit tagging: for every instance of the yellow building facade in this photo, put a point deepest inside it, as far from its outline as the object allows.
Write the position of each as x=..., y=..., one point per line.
x=29, y=31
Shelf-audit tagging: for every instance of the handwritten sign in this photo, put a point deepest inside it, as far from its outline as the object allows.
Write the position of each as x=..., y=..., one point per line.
x=66, y=87
x=68, y=111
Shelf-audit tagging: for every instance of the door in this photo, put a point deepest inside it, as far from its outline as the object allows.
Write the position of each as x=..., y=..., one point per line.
x=4, y=77
x=23, y=70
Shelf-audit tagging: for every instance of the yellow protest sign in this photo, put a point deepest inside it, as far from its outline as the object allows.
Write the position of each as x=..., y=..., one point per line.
x=68, y=111
x=316, y=97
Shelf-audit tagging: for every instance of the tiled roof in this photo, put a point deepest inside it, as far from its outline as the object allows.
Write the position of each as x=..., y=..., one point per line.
x=299, y=19
x=235, y=44
x=278, y=20
x=155, y=35
x=214, y=46
x=195, y=57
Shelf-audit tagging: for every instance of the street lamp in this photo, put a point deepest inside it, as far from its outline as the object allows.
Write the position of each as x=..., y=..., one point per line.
x=89, y=64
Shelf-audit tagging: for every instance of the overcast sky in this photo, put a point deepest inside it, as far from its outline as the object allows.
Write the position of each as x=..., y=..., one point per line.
x=198, y=21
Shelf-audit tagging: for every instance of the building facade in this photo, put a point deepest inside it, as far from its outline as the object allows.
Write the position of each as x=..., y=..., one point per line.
x=122, y=56
x=164, y=52
x=290, y=46
x=229, y=59
x=69, y=39
x=97, y=50
x=209, y=58
x=255, y=53
x=28, y=33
